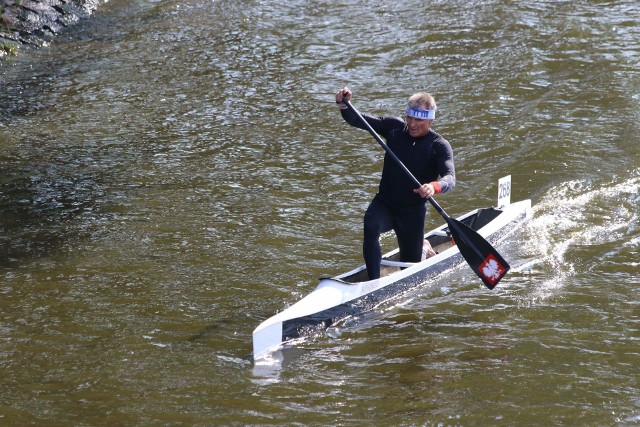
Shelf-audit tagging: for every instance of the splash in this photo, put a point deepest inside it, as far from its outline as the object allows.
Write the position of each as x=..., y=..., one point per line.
x=576, y=215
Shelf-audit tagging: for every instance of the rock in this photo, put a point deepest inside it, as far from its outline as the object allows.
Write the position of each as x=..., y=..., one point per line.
x=35, y=23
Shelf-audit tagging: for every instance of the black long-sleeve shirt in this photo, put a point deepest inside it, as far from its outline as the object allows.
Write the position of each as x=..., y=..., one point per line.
x=429, y=158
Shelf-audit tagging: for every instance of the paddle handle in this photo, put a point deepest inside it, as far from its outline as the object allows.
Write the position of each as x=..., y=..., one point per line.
x=392, y=154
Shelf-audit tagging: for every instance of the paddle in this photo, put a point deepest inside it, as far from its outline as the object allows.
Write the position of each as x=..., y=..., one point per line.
x=483, y=259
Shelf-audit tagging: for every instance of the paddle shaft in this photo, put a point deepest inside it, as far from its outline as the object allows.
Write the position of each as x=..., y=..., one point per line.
x=483, y=259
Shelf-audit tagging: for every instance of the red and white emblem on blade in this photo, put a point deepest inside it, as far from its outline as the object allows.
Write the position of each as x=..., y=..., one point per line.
x=492, y=270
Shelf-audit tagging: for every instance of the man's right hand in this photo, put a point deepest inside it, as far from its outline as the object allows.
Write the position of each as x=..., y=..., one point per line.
x=343, y=93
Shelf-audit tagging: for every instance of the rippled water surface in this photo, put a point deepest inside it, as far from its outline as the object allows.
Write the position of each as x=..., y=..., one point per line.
x=174, y=173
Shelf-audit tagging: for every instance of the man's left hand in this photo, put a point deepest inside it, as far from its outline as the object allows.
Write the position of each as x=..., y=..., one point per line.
x=425, y=191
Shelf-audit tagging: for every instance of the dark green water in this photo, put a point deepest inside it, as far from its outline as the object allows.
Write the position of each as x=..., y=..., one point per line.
x=173, y=173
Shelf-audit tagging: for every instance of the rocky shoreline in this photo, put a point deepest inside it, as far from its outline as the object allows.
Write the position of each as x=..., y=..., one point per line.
x=36, y=22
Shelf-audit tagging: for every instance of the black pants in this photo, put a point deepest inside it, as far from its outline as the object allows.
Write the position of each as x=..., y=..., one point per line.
x=408, y=224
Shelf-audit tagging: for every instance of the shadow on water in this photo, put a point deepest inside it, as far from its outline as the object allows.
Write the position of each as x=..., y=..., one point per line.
x=38, y=210
x=208, y=330
x=215, y=329
x=44, y=188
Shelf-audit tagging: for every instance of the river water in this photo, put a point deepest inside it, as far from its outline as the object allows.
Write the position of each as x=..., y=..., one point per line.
x=174, y=173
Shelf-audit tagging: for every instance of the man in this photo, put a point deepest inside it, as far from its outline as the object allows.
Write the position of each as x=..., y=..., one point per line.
x=398, y=205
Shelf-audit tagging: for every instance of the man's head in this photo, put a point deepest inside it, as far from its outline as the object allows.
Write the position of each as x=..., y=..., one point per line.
x=421, y=111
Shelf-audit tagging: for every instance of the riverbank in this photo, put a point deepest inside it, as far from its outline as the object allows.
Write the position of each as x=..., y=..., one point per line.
x=36, y=23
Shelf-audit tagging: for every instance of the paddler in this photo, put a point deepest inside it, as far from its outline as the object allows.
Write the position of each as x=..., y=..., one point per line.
x=398, y=205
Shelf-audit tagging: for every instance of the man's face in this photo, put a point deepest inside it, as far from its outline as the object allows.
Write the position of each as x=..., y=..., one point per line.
x=418, y=127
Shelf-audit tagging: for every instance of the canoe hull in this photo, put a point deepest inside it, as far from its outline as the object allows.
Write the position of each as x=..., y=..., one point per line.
x=338, y=298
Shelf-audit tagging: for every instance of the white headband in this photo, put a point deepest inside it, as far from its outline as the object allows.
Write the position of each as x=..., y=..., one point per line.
x=421, y=114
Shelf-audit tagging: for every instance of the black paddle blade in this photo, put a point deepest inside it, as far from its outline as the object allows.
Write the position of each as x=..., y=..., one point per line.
x=483, y=259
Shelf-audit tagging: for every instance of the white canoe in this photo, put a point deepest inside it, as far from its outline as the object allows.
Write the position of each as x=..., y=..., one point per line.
x=350, y=294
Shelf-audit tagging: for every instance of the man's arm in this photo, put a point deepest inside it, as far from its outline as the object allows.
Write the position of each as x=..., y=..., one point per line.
x=446, y=167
